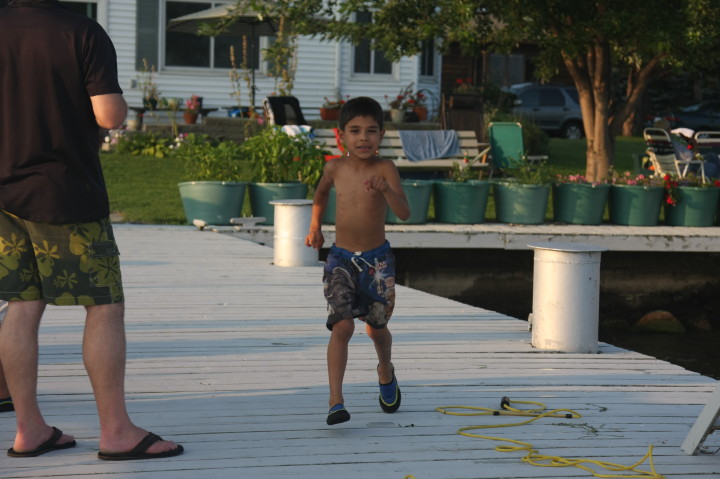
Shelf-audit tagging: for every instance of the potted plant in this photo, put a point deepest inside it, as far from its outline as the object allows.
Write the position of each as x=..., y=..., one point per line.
x=330, y=109
x=579, y=201
x=635, y=200
x=691, y=200
x=284, y=167
x=192, y=109
x=399, y=104
x=212, y=191
x=462, y=198
x=522, y=197
x=416, y=102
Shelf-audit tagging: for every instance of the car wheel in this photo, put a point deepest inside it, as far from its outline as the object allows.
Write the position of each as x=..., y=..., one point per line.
x=573, y=131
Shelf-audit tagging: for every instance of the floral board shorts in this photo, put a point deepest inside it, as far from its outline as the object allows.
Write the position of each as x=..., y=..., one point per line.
x=63, y=264
x=360, y=285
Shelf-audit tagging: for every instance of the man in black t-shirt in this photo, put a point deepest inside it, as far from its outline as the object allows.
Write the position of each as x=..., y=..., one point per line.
x=58, y=87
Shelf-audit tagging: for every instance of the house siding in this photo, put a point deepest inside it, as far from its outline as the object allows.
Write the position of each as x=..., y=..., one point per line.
x=324, y=69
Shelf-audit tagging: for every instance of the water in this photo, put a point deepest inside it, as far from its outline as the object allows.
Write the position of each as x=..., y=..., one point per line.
x=632, y=284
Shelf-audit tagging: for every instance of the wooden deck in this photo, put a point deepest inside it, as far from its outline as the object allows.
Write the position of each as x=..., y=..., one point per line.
x=227, y=356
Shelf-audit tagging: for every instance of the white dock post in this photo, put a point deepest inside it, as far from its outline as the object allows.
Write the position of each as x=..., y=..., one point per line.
x=566, y=297
x=292, y=222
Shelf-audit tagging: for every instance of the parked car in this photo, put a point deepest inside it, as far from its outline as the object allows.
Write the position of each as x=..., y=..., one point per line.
x=554, y=108
x=699, y=117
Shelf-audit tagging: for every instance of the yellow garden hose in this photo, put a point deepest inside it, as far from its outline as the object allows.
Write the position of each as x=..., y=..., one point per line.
x=532, y=455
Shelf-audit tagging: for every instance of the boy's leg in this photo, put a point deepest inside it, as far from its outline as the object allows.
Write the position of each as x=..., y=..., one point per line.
x=104, y=358
x=382, y=339
x=19, y=356
x=337, y=355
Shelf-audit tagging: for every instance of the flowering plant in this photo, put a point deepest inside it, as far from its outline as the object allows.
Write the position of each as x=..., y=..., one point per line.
x=461, y=172
x=577, y=179
x=465, y=86
x=279, y=158
x=334, y=104
x=628, y=178
x=192, y=104
x=416, y=99
x=673, y=183
x=402, y=99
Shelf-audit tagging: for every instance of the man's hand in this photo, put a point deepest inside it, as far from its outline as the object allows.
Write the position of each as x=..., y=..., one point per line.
x=315, y=239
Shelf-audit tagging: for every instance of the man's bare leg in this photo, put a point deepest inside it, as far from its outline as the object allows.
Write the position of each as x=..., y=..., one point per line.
x=104, y=357
x=4, y=391
x=19, y=356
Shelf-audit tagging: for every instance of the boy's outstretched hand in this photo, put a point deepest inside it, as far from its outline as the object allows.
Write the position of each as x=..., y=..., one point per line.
x=376, y=183
x=315, y=239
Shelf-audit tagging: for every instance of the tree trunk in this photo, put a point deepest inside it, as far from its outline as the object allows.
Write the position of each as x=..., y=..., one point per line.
x=592, y=76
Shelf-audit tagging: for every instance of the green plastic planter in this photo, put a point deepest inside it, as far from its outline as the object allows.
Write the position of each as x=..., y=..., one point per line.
x=461, y=203
x=329, y=215
x=419, y=193
x=635, y=205
x=695, y=207
x=580, y=203
x=214, y=202
x=261, y=194
x=520, y=203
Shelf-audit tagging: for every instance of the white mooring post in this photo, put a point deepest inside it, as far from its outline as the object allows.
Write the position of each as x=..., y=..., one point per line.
x=566, y=297
x=292, y=222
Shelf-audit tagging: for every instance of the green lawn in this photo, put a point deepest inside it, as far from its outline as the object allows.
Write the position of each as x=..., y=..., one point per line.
x=143, y=189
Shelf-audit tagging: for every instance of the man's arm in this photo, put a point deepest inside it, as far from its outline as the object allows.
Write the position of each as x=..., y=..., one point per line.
x=110, y=110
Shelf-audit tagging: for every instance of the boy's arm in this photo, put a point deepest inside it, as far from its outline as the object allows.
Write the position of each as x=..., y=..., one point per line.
x=315, y=237
x=389, y=185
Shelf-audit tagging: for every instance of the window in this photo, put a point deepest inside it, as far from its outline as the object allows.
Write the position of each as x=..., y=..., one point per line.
x=84, y=8
x=190, y=50
x=427, y=59
x=366, y=59
x=551, y=97
x=183, y=49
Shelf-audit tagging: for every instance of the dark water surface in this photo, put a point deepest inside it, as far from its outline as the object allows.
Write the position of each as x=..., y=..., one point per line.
x=632, y=285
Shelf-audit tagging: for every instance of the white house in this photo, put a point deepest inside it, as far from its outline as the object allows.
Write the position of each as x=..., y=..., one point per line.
x=187, y=64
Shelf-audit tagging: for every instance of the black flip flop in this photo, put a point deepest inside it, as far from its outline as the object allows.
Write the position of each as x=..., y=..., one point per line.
x=49, y=445
x=140, y=451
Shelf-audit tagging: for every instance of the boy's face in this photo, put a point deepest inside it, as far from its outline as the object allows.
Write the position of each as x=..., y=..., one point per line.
x=362, y=136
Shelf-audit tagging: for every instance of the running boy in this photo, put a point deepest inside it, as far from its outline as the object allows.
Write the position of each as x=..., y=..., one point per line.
x=359, y=274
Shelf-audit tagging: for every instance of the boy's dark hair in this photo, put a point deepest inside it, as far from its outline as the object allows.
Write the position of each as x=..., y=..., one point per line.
x=360, y=106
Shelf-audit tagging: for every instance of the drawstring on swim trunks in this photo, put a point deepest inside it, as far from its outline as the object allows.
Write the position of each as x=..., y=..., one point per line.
x=357, y=257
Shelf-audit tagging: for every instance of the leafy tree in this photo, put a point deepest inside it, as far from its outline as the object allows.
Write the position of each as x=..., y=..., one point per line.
x=593, y=40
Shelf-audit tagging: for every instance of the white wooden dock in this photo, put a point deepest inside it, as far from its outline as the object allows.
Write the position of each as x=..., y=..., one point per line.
x=227, y=356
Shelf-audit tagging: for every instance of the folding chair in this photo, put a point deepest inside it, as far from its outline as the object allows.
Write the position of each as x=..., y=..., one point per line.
x=283, y=110
x=663, y=156
x=707, y=141
x=506, y=145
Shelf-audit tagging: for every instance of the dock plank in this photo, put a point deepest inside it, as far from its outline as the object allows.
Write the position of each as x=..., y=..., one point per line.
x=226, y=354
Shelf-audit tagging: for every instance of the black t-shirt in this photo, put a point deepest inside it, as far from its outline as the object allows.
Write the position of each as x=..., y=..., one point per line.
x=51, y=62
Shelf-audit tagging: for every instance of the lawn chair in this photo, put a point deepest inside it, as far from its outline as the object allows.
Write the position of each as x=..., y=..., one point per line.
x=283, y=110
x=663, y=156
x=707, y=141
x=506, y=145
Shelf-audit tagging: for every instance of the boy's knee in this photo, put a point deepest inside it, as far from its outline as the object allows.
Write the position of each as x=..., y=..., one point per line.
x=377, y=334
x=344, y=329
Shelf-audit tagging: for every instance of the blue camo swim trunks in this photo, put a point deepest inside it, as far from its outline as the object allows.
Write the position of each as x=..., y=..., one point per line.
x=360, y=285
